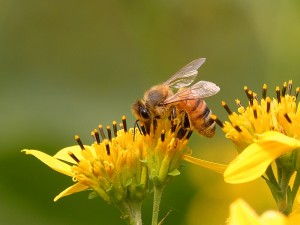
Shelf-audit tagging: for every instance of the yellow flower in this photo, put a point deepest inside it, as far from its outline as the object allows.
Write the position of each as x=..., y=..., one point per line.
x=166, y=146
x=166, y=143
x=117, y=167
x=112, y=168
x=242, y=214
x=255, y=159
x=262, y=132
x=266, y=131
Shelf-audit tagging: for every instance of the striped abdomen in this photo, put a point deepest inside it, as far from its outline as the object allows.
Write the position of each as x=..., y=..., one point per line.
x=199, y=115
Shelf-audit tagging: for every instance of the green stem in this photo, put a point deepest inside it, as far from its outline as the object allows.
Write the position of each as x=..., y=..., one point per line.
x=291, y=194
x=286, y=168
x=296, y=185
x=156, y=203
x=271, y=176
x=136, y=213
x=131, y=212
x=283, y=201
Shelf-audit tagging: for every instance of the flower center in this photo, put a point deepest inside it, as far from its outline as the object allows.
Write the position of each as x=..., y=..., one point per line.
x=280, y=114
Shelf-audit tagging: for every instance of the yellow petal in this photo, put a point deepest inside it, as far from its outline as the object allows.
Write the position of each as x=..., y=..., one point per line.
x=51, y=162
x=294, y=217
x=273, y=218
x=216, y=167
x=76, y=150
x=254, y=160
x=64, y=154
x=242, y=214
x=71, y=190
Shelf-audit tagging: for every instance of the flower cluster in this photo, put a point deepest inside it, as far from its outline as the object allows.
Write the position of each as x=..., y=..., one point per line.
x=120, y=164
x=125, y=165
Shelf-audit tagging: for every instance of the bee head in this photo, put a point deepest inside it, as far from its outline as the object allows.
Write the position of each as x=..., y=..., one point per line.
x=140, y=111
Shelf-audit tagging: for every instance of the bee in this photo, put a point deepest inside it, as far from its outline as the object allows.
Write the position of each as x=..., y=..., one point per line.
x=187, y=101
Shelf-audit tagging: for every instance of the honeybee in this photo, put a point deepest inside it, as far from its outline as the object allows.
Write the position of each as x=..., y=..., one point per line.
x=160, y=100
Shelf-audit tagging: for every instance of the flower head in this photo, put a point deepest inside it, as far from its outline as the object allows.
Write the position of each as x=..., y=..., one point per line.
x=113, y=168
x=118, y=164
x=166, y=142
x=279, y=114
x=266, y=131
x=262, y=132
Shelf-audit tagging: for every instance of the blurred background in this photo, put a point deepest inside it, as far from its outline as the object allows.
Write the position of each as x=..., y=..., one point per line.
x=66, y=67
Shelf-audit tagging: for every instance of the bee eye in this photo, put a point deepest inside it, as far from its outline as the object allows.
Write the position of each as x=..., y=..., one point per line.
x=144, y=113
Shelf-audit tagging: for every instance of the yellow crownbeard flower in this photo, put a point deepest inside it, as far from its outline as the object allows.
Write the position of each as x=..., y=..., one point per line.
x=242, y=214
x=266, y=131
x=262, y=132
x=119, y=166
x=166, y=146
x=166, y=142
x=113, y=169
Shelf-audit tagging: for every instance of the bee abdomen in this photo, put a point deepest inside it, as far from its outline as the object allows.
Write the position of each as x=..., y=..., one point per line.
x=202, y=121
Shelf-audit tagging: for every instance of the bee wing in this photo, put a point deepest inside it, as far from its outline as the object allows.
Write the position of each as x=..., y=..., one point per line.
x=186, y=75
x=201, y=89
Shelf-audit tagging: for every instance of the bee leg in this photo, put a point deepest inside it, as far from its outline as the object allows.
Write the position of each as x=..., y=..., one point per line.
x=186, y=122
x=147, y=126
x=172, y=118
x=185, y=125
x=154, y=123
x=173, y=113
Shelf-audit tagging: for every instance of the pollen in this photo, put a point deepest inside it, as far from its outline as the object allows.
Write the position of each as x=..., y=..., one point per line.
x=281, y=114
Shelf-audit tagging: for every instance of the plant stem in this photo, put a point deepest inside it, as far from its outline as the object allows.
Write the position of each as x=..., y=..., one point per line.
x=156, y=203
x=136, y=213
x=131, y=212
x=285, y=168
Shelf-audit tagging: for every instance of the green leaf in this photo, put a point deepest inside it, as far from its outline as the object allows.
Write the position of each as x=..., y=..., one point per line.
x=174, y=173
x=128, y=182
x=93, y=195
x=274, y=188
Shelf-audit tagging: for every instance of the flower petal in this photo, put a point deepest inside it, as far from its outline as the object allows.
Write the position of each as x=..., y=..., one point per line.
x=254, y=160
x=51, y=162
x=272, y=217
x=76, y=150
x=78, y=187
x=64, y=154
x=216, y=167
x=242, y=214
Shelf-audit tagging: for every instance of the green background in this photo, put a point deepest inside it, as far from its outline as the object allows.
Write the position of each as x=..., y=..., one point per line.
x=67, y=66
